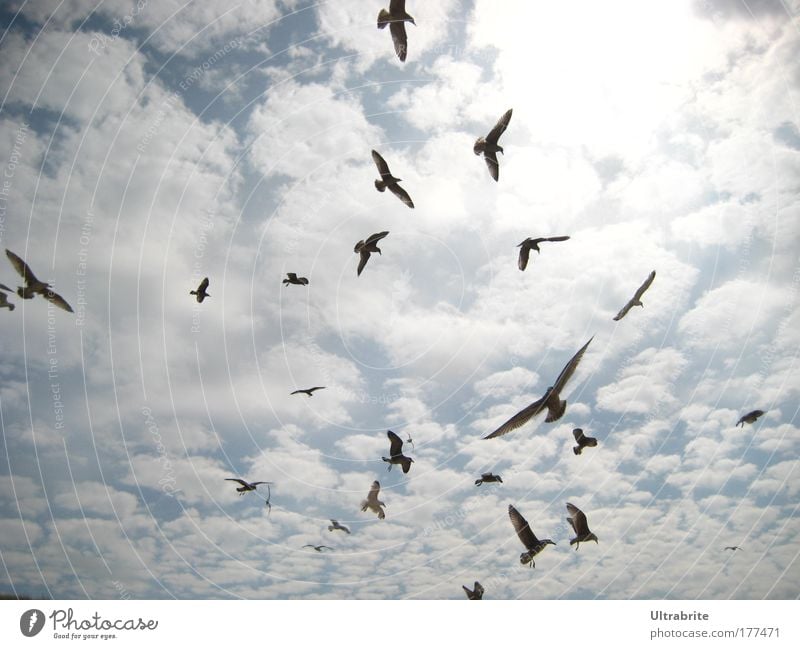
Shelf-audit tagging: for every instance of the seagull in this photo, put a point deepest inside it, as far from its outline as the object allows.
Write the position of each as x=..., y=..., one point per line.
x=33, y=286
x=749, y=418
x=533, y=244
x=551, y=399
x=582, y=440
x=636, y=300
x=732, y=547
x=201, y=291
x=410, y=441
x=489, y=148
x=388, y=181
x=396, y=18
x=294, y=279
x=365, y=248
x=4, y=303
x=252, y=486
x=476, y=592
x=577, y=519
x=488, y=477
x=396, y=453
x=309, y=391
x=372, y=503
x=528, y=538
x=318, y=548
x=335, y=525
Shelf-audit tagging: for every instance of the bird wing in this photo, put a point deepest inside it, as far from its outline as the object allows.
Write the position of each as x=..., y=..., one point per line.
x=374, y=490
x=383, y=168
x=624, y=311
x=203, y=285
x=477, y=589
x=499, y=128
x=492, y=164
x=363, y=261
x=564, y=238
x=3, y=287
x=520, y=418
x=292, y=276
x=524, y=255
x=396, y=444
x=578, y=434
x=397, y=7
x=255, y=484
x=21, y=267
x=296, y=392
x=569, y=369
x=398, y=30
x=239, y=480
x=644, y=286
x=57, y=300
x=578, y=520
x=374, y=238
x=522, y=528
x=314, y=389
x=402, y=194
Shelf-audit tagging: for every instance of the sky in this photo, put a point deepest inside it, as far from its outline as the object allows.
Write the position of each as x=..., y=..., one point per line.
x=145, y=145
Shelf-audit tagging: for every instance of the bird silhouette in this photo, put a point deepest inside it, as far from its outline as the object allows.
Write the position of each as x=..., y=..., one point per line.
x=476, y=592
x=4, y=303
x=365, y=248
x=202, y=291
x=292, y=278
x=577, y=519
x=733, y=547
x=533, y=545
x=749, y=418
x=388, y=181
x=308, y=391
x=533, y=244
x=488, y=477
x=252, y=486
x=33, y=286
x=636, y=300
x=550, y=401
x=372, y=503
x=318, y=548
x=396, y=453
x=396, y=18
x=489, y=147
x=582, y=440
x=335, y=525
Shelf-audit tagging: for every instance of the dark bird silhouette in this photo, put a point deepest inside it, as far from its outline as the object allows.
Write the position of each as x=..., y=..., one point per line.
x=525, y=533
x=582, y=440
x=365, y=248
x=372, y=503
x=396, y=18
x=252, y=486
x=309, y=391
x=533, y=244
x=388, y=181
x=489, y=147
x=396, y=453
x=749, y=418
x=318, y=548
x=476, y=592
x=202, y=291
x=550, y=401
x=335, y=525
x=33, y=286
x=577, y=519
x=4, y=303
x=732, y=547
x=636, y=300
x=292, y=278
x=488, y=477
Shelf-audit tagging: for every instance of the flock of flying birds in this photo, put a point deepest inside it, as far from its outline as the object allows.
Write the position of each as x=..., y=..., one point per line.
x=396, y=17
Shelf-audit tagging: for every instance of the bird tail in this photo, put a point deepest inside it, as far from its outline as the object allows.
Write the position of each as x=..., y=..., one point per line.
x=554, y=414
x=384, y=17
x=576, y=450
x=380, y=185
x=478, y=483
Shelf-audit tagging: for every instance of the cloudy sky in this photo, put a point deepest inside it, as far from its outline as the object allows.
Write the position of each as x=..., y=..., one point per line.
x=146, y=145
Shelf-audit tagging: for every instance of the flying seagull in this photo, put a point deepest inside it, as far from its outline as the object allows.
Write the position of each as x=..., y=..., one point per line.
x=550, y=401
x=309, y=391
x=488, y=145
x=749, y=418
x=318, y=548
x=577, y=519
x=365, y=248
x=201, y=292
x=388, y=181
x=636, y=300
x=410, y=441
x=396, y=453
x=372, y=503
x=335, y=525
x=33, y=286
x=4, y=303
x=582, y=440
x=292, y=278
x=525, y=533
x=488, y=477
x=533, y=244
x=476, y=592
x=396, y=18
x=252, y=486
x=732, y=547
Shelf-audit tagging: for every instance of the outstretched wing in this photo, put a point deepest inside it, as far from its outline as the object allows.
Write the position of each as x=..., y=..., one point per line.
x=22, y=268
x=3, y=287
x=402, y=194
x=239, y=480
x=314, y=389
x=520, y=419
x=578, y=520
x=477, y=590
x=644, y=286
x=396, y=444
x=578, y=435
x=492, y=164
x=255, y=484
x=203, y=286
x=397, y=7
x=570, y=368
x=524, y=255
x=499, y=128
x=374, y=238
x=564, y=238
x=363, y=261
x=57, y=300
x=292, y=276
x=398, y=30
x=374, y=490
x=624, y=311
x=383, y=168
x=522, y=528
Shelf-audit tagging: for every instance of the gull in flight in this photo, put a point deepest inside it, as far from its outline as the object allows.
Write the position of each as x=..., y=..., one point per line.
x=396, y=18
x=318, y=548
x=551, y=401
x=533, y=545
x=365, y=248
x=489, y=147
x=476, y=592
x=388, y=181
x=749, y=418
x=636, y=300
x=396, y=453
x=4, y=303
x=733, y=547
x=33, y=286
x=292, y=278
x=372, y=503
x=202, y=291
x=488, y=477
x=335, y=525
x=577, y=519
x=582, y=441
x=252, y=486
x=533, y=244
x=309, y=391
